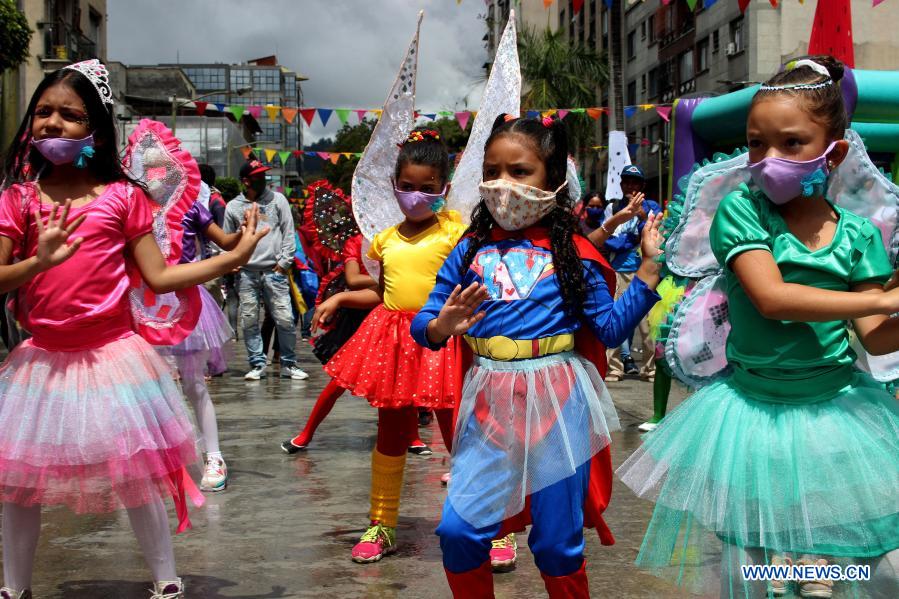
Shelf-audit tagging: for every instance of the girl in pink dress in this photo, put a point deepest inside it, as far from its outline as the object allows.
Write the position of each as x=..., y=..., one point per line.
x=90, y=414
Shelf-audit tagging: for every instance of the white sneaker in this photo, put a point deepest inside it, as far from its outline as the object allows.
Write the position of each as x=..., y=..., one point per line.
x=647, y=427
x=167, y=589
x=258, y=372
x=292, y=372
x=215, y=477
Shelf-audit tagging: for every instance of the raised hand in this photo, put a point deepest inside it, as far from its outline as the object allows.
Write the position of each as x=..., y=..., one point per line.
x=249, y=235
x=458, y=313
x=52, y=237
x=651, y=240
x=324, y=312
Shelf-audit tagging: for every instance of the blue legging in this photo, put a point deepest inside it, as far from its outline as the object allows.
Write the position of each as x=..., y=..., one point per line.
x=556, y=538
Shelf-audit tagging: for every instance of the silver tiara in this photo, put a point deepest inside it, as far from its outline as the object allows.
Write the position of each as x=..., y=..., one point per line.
x=768, y=88
x=97, y=74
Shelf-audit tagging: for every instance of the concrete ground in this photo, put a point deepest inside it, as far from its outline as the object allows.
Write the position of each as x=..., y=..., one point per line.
x=286, y=524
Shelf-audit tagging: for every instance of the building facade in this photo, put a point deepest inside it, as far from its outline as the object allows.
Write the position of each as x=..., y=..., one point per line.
x=258, y=82
x=65, y=31
x=669, y=52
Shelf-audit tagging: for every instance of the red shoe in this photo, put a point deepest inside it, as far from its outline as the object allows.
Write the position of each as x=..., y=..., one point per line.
x=504, y=553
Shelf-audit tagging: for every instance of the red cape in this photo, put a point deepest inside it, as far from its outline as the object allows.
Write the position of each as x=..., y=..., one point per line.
x=587, y=345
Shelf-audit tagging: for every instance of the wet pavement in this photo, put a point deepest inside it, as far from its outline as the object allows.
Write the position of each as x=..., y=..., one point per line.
x=286, y=524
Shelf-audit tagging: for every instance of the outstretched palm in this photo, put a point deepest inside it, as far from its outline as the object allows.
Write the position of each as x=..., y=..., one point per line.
x=53, y=245
x=458, y=313
x=652, y=239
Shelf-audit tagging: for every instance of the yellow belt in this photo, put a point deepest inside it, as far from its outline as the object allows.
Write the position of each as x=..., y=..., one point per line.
x=503, y=348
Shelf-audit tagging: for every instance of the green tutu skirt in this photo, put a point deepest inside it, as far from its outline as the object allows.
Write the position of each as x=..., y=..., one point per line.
x=728, y=471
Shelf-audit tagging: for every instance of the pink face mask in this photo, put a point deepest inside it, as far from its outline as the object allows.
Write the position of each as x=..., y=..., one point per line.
x=418, y=205
x=782, y=179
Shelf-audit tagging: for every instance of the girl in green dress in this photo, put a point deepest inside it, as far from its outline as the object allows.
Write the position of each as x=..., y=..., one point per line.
x=795, y=455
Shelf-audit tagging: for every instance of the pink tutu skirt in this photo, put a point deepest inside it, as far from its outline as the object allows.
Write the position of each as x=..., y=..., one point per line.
x=94, y=430
x=204, y=350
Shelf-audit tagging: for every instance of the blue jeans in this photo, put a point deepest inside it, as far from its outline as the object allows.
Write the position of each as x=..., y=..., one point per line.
x=557, y=530
x=272, y=288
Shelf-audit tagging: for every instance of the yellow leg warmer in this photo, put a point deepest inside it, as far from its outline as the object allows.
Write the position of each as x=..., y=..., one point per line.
x=386, y=485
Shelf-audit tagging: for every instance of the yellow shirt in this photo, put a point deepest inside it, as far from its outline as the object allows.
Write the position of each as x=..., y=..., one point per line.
x=410, y=264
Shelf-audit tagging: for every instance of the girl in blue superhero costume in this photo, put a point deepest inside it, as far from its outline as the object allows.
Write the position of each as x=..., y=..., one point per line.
x=520, y=286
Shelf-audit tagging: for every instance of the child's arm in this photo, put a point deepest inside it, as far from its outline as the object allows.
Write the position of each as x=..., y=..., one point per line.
x=163, y=278
x=603, y=235
x=362, y=299
x=612, y=321
x=773, y=298
x=879, y=334
x=226, y=241
x=355, y=280
x=52, y=248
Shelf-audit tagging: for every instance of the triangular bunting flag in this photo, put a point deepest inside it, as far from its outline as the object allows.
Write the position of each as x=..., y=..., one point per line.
x=324, y=155
x=346, y=155
x=308, y=114
x=270, y=155
x=361, y=114
x=578, y=110
x=692, y=4
x=432, y=116
x=284, y=156
x=246, y=151
x=378, y=112
x=562, y=113
x=288, y=191
x=577, y=5
x=343, y=114
x=632, y=148
x=743, y=5
x=272, y=112
x=334, y=157
x=237, y=110
x=630, y=111
x=664, y=112
x=201, y=107
x=462, y=118
x=549, y=112
x=256, y=111
x=289, y=114
x=445, y=113
x=220, y=107
x=533, y=114
x=594, y=113
x=324, y=114
x=358, y=154
x=311, y=154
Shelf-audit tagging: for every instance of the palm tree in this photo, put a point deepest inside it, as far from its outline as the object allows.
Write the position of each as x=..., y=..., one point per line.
x=561, y=73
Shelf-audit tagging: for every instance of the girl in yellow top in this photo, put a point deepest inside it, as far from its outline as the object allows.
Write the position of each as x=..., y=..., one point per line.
x=381, y=361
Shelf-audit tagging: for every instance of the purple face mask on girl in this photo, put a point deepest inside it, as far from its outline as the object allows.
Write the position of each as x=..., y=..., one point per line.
x=418, y=205
x=62, y=150
x=782, y=179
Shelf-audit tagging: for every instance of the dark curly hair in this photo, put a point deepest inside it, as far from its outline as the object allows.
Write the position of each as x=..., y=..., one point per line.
x=424, y=147
x=550, y=142
x=824, y=104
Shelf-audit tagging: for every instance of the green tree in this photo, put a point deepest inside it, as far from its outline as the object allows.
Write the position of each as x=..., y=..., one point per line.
x=229, y=186
x=350, y=138
x=561, y=73
x=451, y=134
x=15, y=35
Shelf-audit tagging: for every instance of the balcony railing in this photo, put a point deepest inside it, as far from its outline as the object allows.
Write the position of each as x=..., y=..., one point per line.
x=63, y=43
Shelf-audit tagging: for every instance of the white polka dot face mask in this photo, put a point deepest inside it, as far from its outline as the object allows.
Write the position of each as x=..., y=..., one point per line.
x=517, y=206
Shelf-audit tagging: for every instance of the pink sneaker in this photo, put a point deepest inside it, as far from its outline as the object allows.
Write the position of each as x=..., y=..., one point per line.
x=377, y=542
x=504, y=553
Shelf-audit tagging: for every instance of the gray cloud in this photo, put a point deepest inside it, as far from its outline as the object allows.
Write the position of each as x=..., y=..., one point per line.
x=349, y=49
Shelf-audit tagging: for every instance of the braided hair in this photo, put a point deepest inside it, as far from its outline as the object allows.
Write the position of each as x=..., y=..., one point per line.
x=549, y=139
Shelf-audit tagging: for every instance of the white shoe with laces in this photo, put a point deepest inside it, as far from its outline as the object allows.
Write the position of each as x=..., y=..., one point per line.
x=258, y=372
x=292, y=372
x=215, y=476
x=167, y=589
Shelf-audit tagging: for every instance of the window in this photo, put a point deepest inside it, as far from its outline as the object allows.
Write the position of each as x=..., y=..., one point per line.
x=737, y=34
x=632, y=45
x=651, y=26
x=632, y=93
x=266, y=80
x=206, y=79
x=686, y=66
x=605, y=22
x=95, y=30
x=240, y=78
x=702, y=55
x=643, y=84
x=653, y=84
x=643, y=30
x=715, y=44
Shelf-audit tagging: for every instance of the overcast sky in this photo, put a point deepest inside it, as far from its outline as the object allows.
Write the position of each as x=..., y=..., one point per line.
x=349, y=49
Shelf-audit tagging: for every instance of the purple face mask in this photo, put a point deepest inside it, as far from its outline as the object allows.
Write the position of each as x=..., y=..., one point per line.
x=417, y=205
x=782, y=179
x=61, y=150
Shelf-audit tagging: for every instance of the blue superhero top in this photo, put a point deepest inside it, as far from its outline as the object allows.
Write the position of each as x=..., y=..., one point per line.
x=526, y=315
